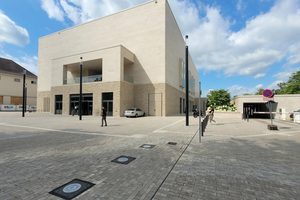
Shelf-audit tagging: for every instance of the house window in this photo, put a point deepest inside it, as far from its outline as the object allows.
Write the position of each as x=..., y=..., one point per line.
x=16, y=100
x=181, y=73
x=33, y=82
x=17, y=80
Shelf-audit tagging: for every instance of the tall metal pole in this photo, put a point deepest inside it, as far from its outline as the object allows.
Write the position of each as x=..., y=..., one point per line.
x=186, y=81
x=24, y=104
x=80, y=91
x=270, y=109
x=200, y=124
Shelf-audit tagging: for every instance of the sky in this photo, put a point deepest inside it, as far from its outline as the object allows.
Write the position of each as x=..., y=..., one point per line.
x=236, y=45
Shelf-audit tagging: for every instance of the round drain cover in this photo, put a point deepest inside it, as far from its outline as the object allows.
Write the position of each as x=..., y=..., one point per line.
x=123, y=159
x=146, y=146
x=72, y=188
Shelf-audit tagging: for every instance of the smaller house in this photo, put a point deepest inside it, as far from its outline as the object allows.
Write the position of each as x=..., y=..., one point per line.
x=11, y=85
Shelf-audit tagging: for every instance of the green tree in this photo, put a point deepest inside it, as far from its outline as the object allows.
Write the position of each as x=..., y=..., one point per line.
x=292, y=86
x=218, y=97
x=259, y=92
x=247, y=94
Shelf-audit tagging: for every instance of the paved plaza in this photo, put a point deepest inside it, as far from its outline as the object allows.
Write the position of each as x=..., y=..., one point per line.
x=235, y=160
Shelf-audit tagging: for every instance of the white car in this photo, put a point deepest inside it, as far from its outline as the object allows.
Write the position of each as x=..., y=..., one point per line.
x=134, y=112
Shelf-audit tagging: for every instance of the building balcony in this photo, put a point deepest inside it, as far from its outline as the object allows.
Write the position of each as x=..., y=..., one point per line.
x=128, y=78
x=85, y=79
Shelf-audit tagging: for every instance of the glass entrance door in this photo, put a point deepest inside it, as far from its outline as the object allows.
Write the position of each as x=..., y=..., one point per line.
x=87, y=104
x=58, y=104
x=107, y=102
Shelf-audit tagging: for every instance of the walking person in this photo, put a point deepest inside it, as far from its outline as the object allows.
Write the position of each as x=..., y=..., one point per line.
x=103, y=114
x=211, y=115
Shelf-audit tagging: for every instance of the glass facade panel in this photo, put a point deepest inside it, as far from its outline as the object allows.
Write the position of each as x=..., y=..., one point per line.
x=87, y=104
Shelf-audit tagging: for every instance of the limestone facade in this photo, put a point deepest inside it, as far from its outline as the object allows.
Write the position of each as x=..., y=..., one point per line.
x=135, y=54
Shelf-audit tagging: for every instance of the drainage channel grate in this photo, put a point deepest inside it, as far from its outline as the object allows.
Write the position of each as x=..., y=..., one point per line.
x=147, y=146
x=123, y=160
x=72, y=189
x=172, y=143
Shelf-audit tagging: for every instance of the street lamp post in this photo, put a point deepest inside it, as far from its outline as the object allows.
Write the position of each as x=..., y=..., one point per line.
x=186, y=81
x=200, y=112
x=80, y=91
x=24, y=95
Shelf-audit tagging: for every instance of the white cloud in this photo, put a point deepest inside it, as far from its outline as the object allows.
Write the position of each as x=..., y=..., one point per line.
x=260, y=75
x=240, y=5
x=29, y=63
x=10, y=32
x=240, y=90
x=72, y=12
x=80, y=11
x=274, y=85
x=53, y=9
x=266, y=39
x=259, y=86
x=205, y=92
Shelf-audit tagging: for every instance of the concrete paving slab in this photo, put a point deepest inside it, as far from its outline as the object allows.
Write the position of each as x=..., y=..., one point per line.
x=236, y=159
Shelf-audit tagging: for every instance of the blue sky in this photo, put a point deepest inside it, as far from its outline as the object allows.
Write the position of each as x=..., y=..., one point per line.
x=239, y=45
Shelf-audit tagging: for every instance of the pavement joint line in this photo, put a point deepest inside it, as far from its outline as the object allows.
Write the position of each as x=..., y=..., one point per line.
x=249, y=136
x=74, y=132
x=160, y=129
x=174, y=163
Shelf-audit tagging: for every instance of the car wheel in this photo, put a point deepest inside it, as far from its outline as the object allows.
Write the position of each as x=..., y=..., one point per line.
x=144, y=115
x=136, y=115
x=127, y=116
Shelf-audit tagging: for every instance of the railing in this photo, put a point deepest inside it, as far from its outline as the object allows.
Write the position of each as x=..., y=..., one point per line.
x=85, y=79
x=204, y=124
x=128, y=78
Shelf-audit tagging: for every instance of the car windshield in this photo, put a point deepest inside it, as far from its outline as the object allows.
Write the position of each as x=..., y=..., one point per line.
x=131, y=109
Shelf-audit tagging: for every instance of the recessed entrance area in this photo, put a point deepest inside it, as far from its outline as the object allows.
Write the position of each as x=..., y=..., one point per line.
x=251, y=108
x=155, y=104
x=107, y=102
x=87, y=104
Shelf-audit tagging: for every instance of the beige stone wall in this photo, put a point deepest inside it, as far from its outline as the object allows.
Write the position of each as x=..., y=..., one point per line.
x=127, y=96
x=142, y=92
x=288, y=101
x=139, y=29
x=173, y=96
x=40, y=100
x=175, y=51
x=96, y=88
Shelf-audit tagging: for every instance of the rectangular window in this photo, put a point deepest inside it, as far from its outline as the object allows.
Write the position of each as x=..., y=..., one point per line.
x=1, y=99
x=16, y=100
x=181, y=73
x=17, y=80
x=33, y=82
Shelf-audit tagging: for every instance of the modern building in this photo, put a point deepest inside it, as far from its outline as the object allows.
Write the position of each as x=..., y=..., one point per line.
x=11, y=84
x=134, y=58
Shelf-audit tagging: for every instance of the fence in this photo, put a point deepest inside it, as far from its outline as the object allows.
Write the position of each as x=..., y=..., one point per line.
x=204, y=124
